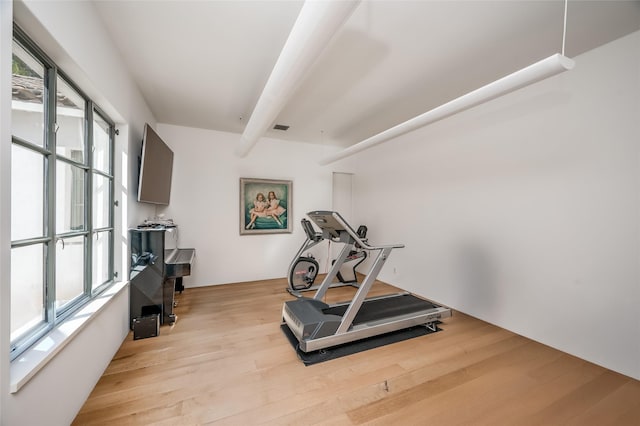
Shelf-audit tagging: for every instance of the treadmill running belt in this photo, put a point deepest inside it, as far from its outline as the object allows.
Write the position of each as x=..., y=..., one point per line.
x=372, y=310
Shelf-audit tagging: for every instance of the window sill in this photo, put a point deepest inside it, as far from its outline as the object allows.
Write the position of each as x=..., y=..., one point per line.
x=26, y=366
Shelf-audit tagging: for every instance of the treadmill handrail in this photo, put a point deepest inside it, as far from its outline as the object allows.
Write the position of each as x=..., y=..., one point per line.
x=347, y=228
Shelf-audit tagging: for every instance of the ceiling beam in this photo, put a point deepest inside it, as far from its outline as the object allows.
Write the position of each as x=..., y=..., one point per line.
x=540, y=70
x=315, y=26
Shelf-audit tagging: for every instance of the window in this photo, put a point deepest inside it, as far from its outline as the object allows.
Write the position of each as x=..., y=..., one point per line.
x=61, y=196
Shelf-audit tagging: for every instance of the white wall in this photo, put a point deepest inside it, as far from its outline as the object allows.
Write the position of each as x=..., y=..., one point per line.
x=57, y=392
x=525, y=212
x=205, y=202
x=95, y=65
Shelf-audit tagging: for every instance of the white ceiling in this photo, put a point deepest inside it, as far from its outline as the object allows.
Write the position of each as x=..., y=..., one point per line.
x=204, y=63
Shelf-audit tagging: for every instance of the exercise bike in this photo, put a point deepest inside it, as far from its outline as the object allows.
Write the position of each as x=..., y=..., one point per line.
x=304, y=269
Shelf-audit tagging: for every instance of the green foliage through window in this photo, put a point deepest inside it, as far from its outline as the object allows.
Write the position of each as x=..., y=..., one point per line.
x=20, y=68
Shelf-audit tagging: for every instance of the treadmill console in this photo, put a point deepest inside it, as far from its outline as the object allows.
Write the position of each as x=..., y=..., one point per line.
x=327, y=222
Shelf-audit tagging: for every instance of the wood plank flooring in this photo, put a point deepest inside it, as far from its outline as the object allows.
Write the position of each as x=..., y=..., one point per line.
x=226, y=362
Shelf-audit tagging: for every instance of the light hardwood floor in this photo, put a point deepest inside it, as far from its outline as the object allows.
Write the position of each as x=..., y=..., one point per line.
x=226, y=362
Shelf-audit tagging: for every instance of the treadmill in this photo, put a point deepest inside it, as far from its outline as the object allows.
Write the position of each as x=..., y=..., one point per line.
x=318, y=325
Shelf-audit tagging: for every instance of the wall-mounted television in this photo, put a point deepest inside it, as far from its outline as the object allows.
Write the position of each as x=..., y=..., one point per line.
x=156, y=167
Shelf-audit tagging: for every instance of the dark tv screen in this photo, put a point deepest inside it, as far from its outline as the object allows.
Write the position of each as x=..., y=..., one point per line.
x=156, y=166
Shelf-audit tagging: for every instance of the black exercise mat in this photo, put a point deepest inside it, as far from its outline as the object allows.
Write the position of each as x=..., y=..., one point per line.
x=310, y=358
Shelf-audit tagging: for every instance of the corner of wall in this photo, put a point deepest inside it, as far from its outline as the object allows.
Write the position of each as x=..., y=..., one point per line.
x=6, y=40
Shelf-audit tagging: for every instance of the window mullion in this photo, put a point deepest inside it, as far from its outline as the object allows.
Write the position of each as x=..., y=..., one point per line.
x=88, y=255
x=50, y=191
x=26, y=144
x=112, y=144
x=111, y=261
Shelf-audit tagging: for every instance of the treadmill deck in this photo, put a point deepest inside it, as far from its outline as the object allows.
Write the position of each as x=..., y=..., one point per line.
x=314, y=323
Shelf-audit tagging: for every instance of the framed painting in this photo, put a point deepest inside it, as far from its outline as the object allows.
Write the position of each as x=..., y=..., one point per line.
x=265, y=206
